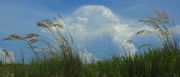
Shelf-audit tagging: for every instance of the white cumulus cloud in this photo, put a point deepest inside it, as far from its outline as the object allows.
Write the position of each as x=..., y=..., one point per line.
x=94, y=21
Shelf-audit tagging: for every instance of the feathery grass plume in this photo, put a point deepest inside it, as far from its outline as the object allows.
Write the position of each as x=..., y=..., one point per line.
x=28, y=39
x=162, y=17
x=14, y=36
x=59, y=25
x=144, y=32
x=33, y=41
x=159, y=24
x=42, y=25
x=65, y=49
x=31, y=35
x=8, y=38
x=17, y=37
x=48, y=24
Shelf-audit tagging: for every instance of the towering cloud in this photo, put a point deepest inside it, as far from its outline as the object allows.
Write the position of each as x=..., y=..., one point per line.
x=94, y=21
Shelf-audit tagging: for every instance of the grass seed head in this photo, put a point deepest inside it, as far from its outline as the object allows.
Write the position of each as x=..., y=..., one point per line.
x=59, y=25
x=33, y=41
x=31, y=35
x=8, y=38
x=40, y=24
x=17, y=37
x=144, y=32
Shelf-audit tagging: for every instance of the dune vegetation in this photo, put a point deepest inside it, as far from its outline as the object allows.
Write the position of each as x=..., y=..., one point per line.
x=58, y=57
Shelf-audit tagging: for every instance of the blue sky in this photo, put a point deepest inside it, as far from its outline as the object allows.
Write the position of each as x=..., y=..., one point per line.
x=13, y=12
x=20, y=17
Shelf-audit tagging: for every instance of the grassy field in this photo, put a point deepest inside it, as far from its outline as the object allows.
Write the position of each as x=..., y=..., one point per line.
x=62, y=60
x=155, y=63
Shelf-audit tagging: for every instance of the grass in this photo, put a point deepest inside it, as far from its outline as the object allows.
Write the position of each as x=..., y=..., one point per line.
x=155, y=63
x=59, y=57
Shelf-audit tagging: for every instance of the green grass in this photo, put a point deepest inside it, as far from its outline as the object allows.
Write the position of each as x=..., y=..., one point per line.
x=154, y=63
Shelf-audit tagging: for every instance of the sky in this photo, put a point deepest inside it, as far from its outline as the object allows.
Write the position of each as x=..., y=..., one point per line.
x=106, y=23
